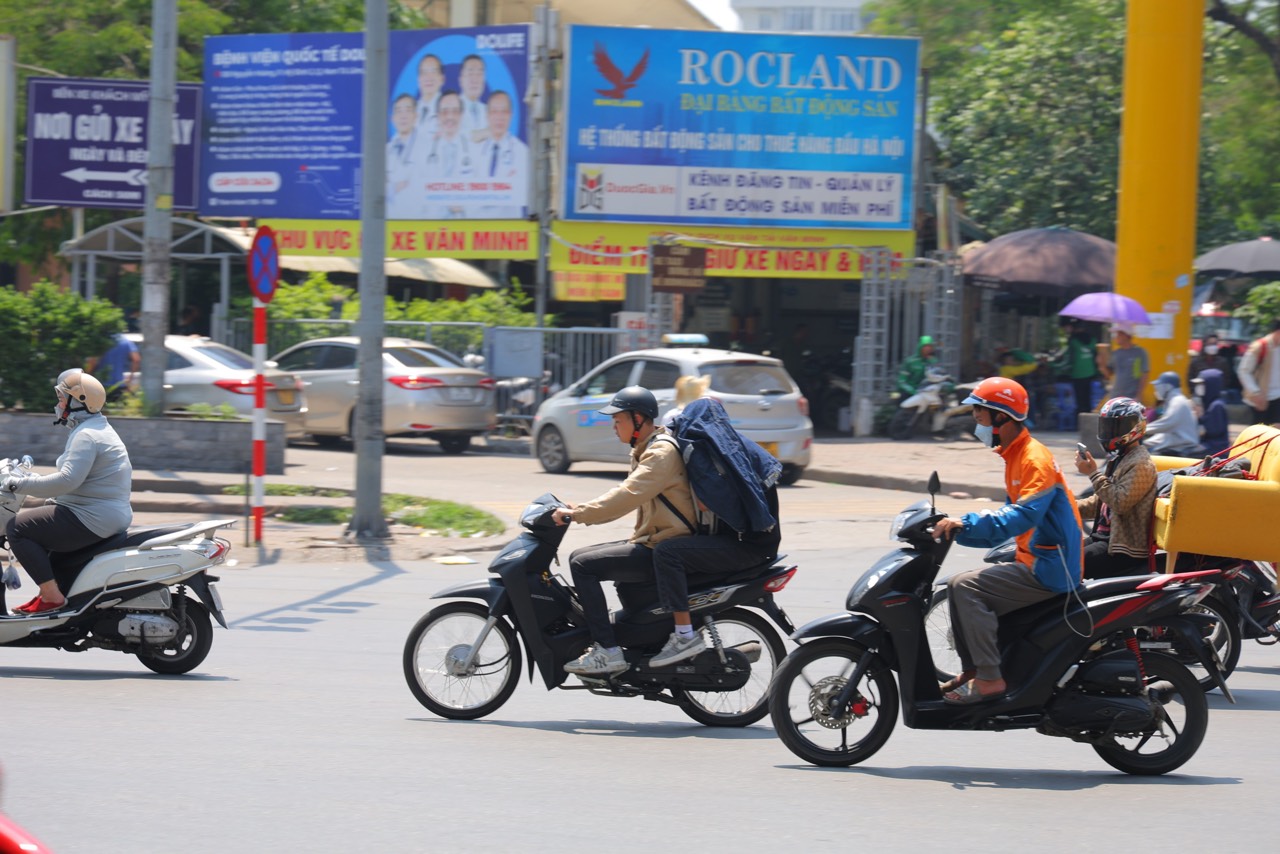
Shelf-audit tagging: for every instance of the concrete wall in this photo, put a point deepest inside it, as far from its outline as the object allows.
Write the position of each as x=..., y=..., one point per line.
x=155, y=444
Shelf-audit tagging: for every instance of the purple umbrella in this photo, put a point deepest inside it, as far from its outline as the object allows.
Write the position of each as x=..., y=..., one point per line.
x=1106, y=307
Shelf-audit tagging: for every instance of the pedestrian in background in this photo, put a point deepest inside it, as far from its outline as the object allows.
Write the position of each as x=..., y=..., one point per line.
x=1259, y=373
x=118, y=367
x=1127, y=365
x=1079, y=362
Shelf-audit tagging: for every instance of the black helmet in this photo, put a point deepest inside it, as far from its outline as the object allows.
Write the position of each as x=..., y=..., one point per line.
x=633, y=398
x=1121, y=422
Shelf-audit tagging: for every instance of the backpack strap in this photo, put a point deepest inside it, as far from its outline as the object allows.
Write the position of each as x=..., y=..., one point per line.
x=679, y=515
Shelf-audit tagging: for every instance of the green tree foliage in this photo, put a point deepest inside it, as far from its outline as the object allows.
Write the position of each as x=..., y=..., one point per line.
x=1026, y=97
x=1031, y=128
x=1262, y=306
x=47, y=330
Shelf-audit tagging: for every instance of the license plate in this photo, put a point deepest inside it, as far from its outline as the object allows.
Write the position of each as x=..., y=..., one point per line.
x=459, y=394
x=771, y=447
x=285, y=396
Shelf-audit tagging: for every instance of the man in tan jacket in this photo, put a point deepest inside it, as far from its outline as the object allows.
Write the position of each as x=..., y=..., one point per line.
x=657, y=472
x=1259, y=373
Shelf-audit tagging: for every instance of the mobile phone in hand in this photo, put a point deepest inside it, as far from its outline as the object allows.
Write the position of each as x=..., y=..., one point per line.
x=1082, y=452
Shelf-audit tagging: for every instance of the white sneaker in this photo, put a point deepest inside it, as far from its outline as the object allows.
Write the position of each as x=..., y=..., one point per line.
x=678, y=649
x=597, y=660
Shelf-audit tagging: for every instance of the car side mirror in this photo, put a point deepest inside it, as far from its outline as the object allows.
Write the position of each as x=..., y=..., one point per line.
x=270, y=363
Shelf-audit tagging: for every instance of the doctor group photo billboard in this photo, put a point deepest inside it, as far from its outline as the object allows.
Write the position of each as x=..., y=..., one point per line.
x=726, y=128
x=282, y=133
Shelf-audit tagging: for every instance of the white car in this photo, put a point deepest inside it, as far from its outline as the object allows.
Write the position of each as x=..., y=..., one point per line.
x=762, y=400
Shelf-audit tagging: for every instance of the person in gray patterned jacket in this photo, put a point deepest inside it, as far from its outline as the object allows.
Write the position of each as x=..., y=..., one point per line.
x=1124, y=494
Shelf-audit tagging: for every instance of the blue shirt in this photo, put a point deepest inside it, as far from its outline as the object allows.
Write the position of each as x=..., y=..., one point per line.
x=116, y=362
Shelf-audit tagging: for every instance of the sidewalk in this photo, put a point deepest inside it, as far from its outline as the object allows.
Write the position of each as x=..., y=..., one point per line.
x=963, y=465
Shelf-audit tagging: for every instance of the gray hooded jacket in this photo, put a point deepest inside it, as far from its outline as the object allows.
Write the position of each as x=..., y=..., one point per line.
x=94, y=477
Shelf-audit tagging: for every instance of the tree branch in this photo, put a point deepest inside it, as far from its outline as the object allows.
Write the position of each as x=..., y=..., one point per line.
x=1270, y=47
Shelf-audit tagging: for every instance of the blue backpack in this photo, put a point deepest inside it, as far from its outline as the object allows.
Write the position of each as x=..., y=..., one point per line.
x=732, y=476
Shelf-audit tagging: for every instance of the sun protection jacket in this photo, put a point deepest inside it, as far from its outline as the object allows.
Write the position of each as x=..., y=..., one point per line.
x=1041, y=513
x=1127, y=486
x=656, y=469
x=730, y=474
x=94, y=477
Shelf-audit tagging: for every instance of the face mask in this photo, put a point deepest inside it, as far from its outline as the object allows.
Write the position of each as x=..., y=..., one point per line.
x=985, y=434
x=1199, y=401
x=1160, y=392
x=1211, y=349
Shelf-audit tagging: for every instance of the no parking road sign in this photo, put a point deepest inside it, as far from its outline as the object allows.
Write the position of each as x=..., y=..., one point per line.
x=264, y=264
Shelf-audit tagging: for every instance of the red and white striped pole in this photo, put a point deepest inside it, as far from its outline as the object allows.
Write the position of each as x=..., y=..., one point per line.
x=259, y=415
x=264, y=270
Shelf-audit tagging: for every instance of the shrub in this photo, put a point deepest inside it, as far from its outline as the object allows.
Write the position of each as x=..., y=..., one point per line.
x=47, y=330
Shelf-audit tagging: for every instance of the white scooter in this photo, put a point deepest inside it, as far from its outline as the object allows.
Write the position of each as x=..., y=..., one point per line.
x=128, y=593
x=938, y=401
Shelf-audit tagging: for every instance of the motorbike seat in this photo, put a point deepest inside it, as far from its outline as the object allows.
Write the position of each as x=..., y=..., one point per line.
x=67, y=565
x=640, y=599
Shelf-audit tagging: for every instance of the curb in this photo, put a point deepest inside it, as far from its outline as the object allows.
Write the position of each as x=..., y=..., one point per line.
x=901, y=484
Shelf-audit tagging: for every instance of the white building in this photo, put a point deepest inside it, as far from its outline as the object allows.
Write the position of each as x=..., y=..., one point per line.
x=800, y=16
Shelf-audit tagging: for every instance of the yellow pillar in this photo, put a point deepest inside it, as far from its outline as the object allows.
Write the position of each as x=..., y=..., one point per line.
x=1159, y=141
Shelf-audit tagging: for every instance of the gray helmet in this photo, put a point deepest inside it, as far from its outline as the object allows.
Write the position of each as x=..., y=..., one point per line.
x=633, y=398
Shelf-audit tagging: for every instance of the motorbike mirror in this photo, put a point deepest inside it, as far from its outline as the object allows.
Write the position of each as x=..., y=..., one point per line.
x=935, y=485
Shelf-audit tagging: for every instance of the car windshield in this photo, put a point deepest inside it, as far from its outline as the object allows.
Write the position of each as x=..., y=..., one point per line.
x=225, y=355
x=423, y=356
x=1230, y=328
x=748, y=378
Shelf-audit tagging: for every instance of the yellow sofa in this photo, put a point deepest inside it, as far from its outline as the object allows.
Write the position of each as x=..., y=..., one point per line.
x=1224, y=516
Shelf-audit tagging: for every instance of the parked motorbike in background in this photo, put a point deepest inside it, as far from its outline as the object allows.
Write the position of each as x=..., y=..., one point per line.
x=827, y=383
x=462, y=659
x=936, y=406
x=1074, y=666
x=128, y=593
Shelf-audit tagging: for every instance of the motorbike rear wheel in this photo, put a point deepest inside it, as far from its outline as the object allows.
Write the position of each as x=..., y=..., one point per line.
x=749, y=703
x=435, y=653
x=195, y=638
x=808, y=680
x=1183, y=718
x=903, y=424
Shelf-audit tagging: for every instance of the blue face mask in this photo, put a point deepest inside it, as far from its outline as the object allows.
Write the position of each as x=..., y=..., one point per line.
x=985, y=434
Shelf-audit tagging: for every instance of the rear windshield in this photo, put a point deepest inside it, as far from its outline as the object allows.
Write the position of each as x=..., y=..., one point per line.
x=749, y=378
x=225, y=355
x=424, y=357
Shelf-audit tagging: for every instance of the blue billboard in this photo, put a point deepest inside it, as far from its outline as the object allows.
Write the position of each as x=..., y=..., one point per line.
x=676, y=126
x=87, y=143
x=283, y=139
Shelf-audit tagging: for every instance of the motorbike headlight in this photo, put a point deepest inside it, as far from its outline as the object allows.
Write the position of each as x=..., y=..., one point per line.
x=898, y=521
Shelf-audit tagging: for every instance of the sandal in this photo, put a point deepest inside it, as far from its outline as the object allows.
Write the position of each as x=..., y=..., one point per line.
x=956, y=681
x=968, y=694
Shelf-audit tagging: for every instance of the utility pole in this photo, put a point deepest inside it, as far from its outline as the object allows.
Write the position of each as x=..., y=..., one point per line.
x=367, y=522
x=158, y=222
x=541, y=129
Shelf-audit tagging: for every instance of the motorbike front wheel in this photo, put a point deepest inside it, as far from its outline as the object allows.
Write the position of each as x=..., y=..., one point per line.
x=749, y=703
x=189, y=648
x=800, y=704
x=937, y=631
x=435, y=662
x=903, y=424
x=1181, y=721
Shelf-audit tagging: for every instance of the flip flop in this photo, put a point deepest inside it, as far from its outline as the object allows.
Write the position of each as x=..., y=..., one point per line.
x=967, y=695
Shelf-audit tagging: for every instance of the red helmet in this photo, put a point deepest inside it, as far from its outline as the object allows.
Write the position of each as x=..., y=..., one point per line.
x=1003, y=395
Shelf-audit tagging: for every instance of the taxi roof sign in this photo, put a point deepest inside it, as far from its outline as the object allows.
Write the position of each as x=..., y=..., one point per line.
x=685, y=339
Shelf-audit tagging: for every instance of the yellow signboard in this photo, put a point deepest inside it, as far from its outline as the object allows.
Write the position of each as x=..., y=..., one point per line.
x=784, y=253
x=573, y=286
x=514, y=240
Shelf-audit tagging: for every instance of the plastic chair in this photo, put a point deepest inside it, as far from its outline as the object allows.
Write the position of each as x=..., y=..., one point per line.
x=1097, y=391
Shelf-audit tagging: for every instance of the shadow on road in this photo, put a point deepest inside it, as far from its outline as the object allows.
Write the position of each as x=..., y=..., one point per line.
x=623, y=729
x=1013, y=778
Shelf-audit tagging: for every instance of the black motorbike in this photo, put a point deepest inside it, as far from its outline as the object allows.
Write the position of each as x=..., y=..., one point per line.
x=1073, y=664
x=1221, y=630
x=462, y=659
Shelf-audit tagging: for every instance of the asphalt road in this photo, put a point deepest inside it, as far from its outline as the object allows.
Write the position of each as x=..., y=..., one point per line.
x=299, y=734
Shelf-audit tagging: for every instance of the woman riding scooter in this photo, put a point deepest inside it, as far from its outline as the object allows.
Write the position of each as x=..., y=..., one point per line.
x=88, y=495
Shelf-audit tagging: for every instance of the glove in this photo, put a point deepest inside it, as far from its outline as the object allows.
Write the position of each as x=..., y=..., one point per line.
x=11, y=578
x=13, y=483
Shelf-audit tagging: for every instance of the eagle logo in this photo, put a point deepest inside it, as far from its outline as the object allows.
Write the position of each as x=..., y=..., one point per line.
x=614, y=74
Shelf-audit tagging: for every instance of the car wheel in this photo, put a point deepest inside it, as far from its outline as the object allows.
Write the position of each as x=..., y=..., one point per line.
x=790, y=475
x=552, y=451
x=454, y=444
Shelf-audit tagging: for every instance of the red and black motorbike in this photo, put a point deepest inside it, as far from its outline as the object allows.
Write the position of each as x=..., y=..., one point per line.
x=1073, y=663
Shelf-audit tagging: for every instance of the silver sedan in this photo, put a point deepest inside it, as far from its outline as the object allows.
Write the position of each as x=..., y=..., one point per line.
x=428, y=392
x=200, y=370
